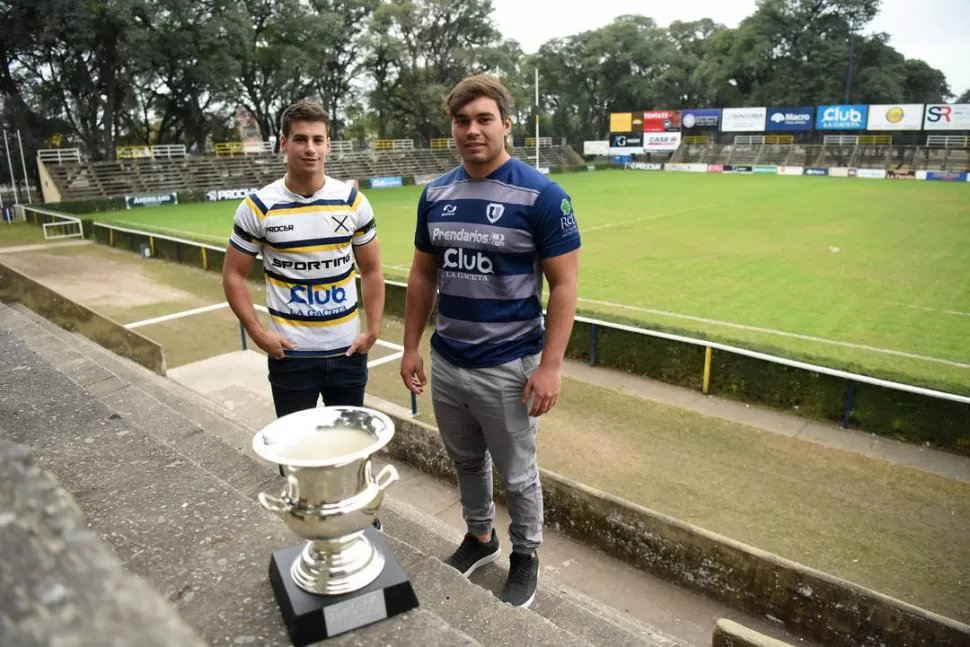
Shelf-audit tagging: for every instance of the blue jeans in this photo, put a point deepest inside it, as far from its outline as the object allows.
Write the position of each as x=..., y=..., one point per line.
x=298, y=382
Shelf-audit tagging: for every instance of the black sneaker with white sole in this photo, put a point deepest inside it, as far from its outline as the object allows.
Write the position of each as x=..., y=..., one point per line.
x=520, y=588
x=472, y=554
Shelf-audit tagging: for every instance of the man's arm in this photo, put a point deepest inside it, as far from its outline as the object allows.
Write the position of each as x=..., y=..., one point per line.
x=368, y=257
x=543, y=387
x=422, y=284
x=235, y=269
x=562, y=274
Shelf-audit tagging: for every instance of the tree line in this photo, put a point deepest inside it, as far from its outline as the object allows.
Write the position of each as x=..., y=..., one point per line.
x=99, y=74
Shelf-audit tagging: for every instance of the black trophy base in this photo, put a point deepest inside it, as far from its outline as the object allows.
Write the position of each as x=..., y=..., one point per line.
x=311, y=618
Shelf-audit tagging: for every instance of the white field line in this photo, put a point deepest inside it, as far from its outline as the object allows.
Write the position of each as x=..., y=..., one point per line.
x=925, y=309
x=645, y=218
x=385, y=360
x=176, y=315
x=780, y=333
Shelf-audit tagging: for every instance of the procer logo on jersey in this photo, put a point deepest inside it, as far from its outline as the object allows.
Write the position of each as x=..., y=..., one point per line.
x=843, y=117
x=279, y=228
x=466, y=264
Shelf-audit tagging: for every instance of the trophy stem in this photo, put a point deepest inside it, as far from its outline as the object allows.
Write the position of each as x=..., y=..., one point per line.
x=337, y=566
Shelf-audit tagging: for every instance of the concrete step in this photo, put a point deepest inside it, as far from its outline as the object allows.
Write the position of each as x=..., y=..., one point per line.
x=177, y=503
x=173, y=407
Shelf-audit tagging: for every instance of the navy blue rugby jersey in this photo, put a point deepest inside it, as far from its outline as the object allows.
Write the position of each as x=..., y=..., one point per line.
x=489, y=236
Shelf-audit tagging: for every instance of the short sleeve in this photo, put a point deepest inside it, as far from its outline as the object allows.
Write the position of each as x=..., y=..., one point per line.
x=247, y=227
x=422, y=242
x=556, y=231
x=366, y=230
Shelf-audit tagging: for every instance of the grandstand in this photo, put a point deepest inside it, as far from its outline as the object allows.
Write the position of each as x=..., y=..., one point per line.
x=943, y=153
x=161, y=169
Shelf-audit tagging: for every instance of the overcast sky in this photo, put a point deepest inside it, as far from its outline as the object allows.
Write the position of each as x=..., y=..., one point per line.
x=933, y=30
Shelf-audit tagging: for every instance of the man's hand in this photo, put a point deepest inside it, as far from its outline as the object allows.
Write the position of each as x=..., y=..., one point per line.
x=362, y=344
x=543, y=387
x=412, y=371
x=273, y=343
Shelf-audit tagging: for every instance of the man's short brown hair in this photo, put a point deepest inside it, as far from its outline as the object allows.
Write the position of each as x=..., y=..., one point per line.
x=304, y=110
x=474, y=87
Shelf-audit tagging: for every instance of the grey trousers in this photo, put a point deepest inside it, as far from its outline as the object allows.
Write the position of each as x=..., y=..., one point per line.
x=482, y=419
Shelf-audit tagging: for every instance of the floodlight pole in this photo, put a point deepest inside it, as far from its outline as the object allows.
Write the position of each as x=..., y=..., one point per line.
x=537, y=115
x=848, y=72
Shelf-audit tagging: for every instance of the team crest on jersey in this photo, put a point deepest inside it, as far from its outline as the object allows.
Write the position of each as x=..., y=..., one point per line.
x=494, y=211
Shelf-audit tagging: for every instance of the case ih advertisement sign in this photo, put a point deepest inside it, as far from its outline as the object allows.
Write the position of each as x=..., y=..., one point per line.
x=661, y=121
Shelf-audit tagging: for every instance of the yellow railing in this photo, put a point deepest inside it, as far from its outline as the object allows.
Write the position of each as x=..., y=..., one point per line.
x=439, y=144
x=130, y=152
x=230, y=148
x=779, y=139
x=383, y=144
x=876, y=140
x=701, y=140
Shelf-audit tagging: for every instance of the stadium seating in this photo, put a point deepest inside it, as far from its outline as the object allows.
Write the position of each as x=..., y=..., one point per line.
x=78, y=180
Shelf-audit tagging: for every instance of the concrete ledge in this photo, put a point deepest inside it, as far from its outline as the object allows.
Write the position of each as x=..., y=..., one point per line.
x=815, y=604
x=69, y=315
x=61, y=584
x=728, y=633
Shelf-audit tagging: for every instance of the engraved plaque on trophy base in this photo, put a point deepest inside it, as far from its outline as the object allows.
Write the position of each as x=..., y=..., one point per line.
x=310, y=618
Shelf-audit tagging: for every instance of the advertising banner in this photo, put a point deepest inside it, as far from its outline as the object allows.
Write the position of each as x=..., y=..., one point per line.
x=947, y=116
x=839, y=171
x=621, y=122
x=660, y=141
x=643, y=166
x=900, y=174
x=765, y=169
x=743, y=120
x=869, y=173
x=661, y=121
x=705, y=118
x=596, y=147
x=421, y=180
x=816, y=171
x=920, y=175
x=907, y=116
x=715, y=168
x=213, y=195
x=697, y=168
x=735, y=168
x=842, y=117
x=386, y=182
x=790, y=119
x=620, y=159
x=947, y=176
x=677, y=168
x=152, y=200
x=791, y=170
x=626, y=143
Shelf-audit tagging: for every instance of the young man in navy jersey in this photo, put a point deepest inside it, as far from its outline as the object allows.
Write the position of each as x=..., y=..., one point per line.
x=487, y=233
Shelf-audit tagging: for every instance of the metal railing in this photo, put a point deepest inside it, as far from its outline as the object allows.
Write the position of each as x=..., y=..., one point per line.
x=59, y=155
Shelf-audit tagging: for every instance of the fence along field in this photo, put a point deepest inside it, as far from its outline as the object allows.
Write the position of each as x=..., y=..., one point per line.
x=861, y=276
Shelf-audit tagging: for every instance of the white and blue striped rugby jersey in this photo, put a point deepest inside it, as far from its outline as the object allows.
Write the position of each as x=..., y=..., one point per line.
x=489, y=236
x=307, y=247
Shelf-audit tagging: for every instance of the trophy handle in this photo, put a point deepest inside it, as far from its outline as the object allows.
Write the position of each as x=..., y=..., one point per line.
x=272, y=503
x=386, y=476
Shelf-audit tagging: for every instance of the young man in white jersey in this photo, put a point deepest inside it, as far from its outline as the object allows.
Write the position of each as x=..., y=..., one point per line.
x=487, y=233
x=312, y=231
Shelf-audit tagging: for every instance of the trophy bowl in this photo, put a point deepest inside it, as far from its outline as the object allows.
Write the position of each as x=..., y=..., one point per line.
x=331, y=495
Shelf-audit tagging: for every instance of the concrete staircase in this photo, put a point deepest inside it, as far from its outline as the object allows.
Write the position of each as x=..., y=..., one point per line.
x=166, y=478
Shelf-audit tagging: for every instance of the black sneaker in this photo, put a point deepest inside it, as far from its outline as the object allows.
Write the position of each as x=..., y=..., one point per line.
x=473, y=553
x=520, y=588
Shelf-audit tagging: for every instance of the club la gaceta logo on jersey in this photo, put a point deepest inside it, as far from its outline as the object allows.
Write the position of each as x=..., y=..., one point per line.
x=305, y=300
x=467, y=260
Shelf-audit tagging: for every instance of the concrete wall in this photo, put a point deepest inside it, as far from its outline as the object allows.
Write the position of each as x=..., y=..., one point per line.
x=818, y=605
x=61, y=584
x=69, y=315
x=728, y=633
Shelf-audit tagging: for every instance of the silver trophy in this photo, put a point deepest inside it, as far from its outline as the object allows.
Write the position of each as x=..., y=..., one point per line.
x=331, y=498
